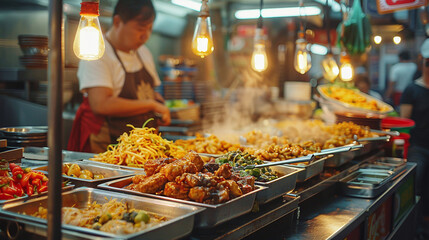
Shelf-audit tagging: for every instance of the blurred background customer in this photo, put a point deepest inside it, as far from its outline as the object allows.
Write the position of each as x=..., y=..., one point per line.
x=401, y=74
x=415, y=105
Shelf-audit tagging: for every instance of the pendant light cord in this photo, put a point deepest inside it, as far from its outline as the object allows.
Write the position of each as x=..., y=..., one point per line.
x=327, y=26
x=259, y=24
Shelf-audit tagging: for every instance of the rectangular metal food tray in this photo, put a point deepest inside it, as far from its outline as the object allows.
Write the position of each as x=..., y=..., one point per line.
x=310, y=170
x=366, y=183
x=67, y=187
x=180, y=217
x=390, y=161
x=108, y=173
x=212, y=216
x=41, y=154
x=279, y=186
x=110, y=165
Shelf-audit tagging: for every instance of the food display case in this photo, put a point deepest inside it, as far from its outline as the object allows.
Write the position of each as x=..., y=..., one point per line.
x=294, y=200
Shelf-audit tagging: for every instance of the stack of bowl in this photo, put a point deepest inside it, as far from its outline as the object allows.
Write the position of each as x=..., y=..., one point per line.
x=35, y=136
x=35, y=49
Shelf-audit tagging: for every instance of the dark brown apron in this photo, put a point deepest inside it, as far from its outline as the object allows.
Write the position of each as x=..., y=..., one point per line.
x=137, y=85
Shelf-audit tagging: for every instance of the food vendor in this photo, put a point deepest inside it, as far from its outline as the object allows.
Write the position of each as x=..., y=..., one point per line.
x=118, y=89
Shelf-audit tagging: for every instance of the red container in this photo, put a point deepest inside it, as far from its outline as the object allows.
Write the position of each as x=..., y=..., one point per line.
x=403, y=125
x=389, y=148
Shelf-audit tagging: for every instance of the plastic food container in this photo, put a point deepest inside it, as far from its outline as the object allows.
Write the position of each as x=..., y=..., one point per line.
x=399, y=124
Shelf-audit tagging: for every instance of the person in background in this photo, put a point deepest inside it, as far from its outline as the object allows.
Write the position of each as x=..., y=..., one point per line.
x=401, y=74
x=363, y=84
x=118, y=88
x=415, y=106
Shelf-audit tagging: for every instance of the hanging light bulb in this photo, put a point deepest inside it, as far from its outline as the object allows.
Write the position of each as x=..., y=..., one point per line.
x=302, y=60
x=330, y=67
x=89, y=43
x=397, y=40
x=346, y=69
x=377, y=39
x=259, y=56
x=202, y=41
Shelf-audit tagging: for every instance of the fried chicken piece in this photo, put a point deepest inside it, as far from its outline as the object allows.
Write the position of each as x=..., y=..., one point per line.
x=177, y=168
x=224, y=171
x=151, y=184
x=235, y=189
x=211, y=166
x=138, y=178
x=199, y=194
x=175, y=190
x=195, y=159
x=154, y=165
x=198, y=179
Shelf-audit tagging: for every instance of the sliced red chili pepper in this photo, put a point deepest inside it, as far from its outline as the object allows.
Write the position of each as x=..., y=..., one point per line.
x=13, y=166
x=17, y=188
x=5, y=196
x=45, y=183
x=17, y=170
x=42, y=189
x=39, y=175
x=8, y=189
x=25, y=179
x=30, y=190
x=36, y=182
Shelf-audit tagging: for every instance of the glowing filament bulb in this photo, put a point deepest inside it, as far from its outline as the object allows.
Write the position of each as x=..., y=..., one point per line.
x=377, y=39
x=330, y=68
x=302, y=60
x=259, y=56
x=202, y=44
x=397, y=40
x=89, y=43
x=202, y=41
x=346, y=69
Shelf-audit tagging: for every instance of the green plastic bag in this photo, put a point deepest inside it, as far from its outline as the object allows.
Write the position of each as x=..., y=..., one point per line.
x=354, y=33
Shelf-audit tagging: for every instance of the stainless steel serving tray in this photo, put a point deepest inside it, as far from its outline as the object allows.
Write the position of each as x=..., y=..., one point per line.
x=134, y=169
x=212, y=216
x=366, y=183
x=310, y=170
x=180, y=217
x=67, y=187
x=41, y=153
x=279, y=186
x=390, y=161
x=108, y=173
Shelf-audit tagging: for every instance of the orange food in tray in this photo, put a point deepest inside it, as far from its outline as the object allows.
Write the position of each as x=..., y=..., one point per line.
x=354, y=98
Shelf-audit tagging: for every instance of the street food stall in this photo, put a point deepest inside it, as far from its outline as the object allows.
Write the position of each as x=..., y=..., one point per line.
x=258, y=157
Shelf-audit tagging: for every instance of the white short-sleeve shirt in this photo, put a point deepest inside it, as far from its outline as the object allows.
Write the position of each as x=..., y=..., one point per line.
x=108, y=72
x=402, y=74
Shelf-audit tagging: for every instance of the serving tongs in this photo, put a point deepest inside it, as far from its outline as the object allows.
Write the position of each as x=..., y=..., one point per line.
x=370, y=139
x=391, y=133
x=308, y=158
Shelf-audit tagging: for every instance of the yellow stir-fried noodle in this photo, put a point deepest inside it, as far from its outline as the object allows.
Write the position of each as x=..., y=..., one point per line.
x=113, y=216
x=140, y=145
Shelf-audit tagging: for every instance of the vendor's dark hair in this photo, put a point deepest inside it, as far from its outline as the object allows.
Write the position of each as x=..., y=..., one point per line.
x=129, y=9
x=404, y=55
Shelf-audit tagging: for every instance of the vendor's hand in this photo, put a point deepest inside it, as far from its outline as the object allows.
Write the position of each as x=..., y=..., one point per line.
x=164, y=112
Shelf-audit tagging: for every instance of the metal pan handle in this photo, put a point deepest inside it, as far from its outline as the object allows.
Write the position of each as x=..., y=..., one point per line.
x=391, y=133
x=293, y=160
